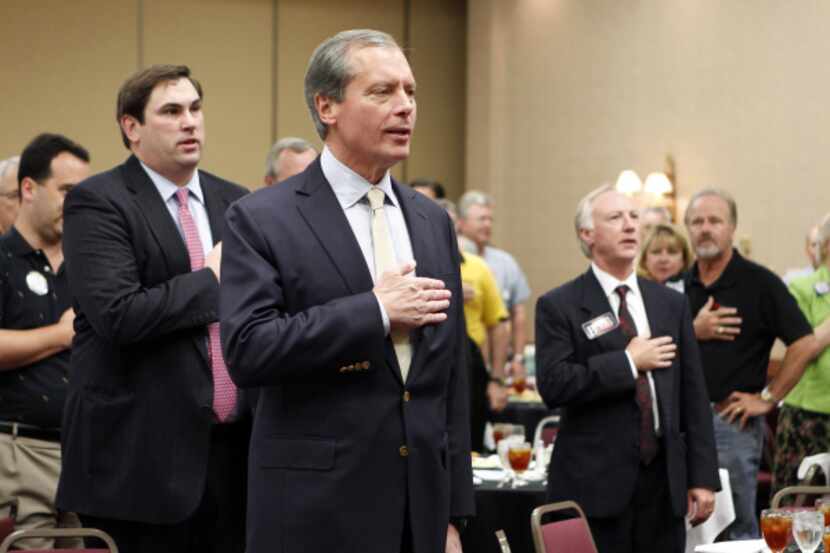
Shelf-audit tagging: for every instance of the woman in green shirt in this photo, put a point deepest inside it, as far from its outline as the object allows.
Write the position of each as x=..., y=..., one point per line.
x=804, y=419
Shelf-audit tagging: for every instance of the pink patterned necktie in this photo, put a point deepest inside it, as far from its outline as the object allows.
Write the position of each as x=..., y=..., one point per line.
x=224, y=391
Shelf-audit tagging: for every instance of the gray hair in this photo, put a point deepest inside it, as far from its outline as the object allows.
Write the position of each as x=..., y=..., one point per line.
x=9, y=164
x=584, y=218
x=471, y=198
x=722, y=194
x=660, y=210
x=329, y=71
x=296, y=145
x=823, y=237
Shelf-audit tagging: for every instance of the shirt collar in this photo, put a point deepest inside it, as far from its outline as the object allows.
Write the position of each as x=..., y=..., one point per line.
x=348, y=186
x=16, y=244
x=168, y=188
x=729, y=275
x=609, y=283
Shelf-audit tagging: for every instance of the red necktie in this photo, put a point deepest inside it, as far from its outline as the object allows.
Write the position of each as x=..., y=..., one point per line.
x=648, y=437
x=224, y=391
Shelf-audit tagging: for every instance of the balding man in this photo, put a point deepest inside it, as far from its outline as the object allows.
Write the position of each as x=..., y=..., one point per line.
x=9, y=195
x=287, y=157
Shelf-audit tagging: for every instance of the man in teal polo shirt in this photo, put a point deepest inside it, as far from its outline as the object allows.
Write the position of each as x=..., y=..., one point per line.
x=804, y=420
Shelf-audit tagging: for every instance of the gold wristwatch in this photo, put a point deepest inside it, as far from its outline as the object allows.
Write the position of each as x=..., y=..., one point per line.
x=767, y=396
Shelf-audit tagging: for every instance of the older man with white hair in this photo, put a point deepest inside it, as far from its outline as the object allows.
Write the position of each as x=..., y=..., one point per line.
x=287, y=157
x=9, y=194
x=618, y=354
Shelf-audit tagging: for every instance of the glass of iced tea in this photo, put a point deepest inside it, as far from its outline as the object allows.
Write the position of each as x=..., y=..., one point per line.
x=519, y=384
x=501, y=431
x=825, y=540
x=519, y=454
x=776, y=527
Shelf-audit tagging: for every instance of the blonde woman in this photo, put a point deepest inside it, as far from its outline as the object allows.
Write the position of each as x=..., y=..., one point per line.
x=665, y=256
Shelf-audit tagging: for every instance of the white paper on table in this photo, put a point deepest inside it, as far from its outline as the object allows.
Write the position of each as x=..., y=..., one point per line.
x=722, y=517
x=739, y=546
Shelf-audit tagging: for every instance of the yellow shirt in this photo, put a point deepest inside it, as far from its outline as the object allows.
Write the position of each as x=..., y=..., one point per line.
x=486, y=308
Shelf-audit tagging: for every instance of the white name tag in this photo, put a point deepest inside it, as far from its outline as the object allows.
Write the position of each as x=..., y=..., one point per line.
x=601, y=325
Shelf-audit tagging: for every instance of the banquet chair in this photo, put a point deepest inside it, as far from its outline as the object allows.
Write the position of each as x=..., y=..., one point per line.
x=546, y=430
x=504, y=546
x=14, y=537
x=801, y=493
x=7, y=521
x=571, y=535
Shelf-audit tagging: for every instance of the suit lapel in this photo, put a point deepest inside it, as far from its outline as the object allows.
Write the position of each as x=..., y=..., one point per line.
x=160, y=222
x=215, y=205
x=319, y=207
x=657, y=323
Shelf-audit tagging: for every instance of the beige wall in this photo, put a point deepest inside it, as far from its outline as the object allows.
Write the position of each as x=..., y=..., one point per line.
x=563, y=94
x=64, y=61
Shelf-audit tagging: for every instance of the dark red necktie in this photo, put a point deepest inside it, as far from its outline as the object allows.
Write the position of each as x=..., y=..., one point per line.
x=648, y=437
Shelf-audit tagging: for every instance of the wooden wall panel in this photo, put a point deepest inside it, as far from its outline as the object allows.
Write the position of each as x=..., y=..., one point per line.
x=228, y=47
x=62, y=65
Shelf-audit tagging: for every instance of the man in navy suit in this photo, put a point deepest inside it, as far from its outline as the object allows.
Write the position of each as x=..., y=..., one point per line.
x=361, y=438
x=618, y=353
x=154, y=436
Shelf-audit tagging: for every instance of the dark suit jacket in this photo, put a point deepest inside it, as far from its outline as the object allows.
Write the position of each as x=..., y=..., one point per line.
x=596, y=458
x=327, y=469
x=138, y=414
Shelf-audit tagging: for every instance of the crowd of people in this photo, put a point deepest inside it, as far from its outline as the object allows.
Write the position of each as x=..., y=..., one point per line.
x=192, y=367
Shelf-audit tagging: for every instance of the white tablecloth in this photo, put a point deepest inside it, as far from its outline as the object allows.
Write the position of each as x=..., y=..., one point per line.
x=722, y=517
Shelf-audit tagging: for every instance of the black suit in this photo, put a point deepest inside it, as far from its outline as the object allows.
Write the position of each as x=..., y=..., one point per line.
x=138, y=421
x=596, y=458
x=344, y=455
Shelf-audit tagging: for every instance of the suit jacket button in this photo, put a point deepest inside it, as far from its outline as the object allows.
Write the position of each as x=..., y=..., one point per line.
x=404, y=451
x=407, y=396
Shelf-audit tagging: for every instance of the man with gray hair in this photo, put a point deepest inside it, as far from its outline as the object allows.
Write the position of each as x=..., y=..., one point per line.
x=741, y=309
x=475, y=224
x=9, y=194
x=362, y=434
x=618, y=354
x=287, y=157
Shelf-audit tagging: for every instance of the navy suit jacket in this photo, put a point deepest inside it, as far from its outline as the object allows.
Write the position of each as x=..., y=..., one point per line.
x=596, y=458
x=342, y=450
x=138, y=415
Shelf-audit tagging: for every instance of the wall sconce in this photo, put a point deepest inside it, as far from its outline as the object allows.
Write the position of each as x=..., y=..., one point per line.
x=659, y=189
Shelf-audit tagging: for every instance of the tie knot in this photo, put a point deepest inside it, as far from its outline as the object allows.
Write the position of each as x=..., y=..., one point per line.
x=376, y=197
x=181, y=195
x=621, y=291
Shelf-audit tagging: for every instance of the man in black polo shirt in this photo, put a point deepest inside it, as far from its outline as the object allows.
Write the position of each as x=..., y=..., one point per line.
x=36, y=331
x=741, y=309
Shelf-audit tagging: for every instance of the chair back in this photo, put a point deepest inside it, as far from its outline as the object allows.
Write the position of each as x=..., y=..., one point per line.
x=547, y=435
x=6, y=544
x=801, y=491
x=7, y=521
x=504, y=546
x=571, y=535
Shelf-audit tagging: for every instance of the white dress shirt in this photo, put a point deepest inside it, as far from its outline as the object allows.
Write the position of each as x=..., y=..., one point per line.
x=637, y=310
x=196, y=204
x=351, y=191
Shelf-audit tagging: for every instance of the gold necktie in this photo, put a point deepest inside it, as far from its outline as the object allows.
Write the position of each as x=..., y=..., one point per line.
x=385, y=261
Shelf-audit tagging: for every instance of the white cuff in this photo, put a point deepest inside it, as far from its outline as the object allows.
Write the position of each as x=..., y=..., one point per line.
x=631, y=364
x=384, y=316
